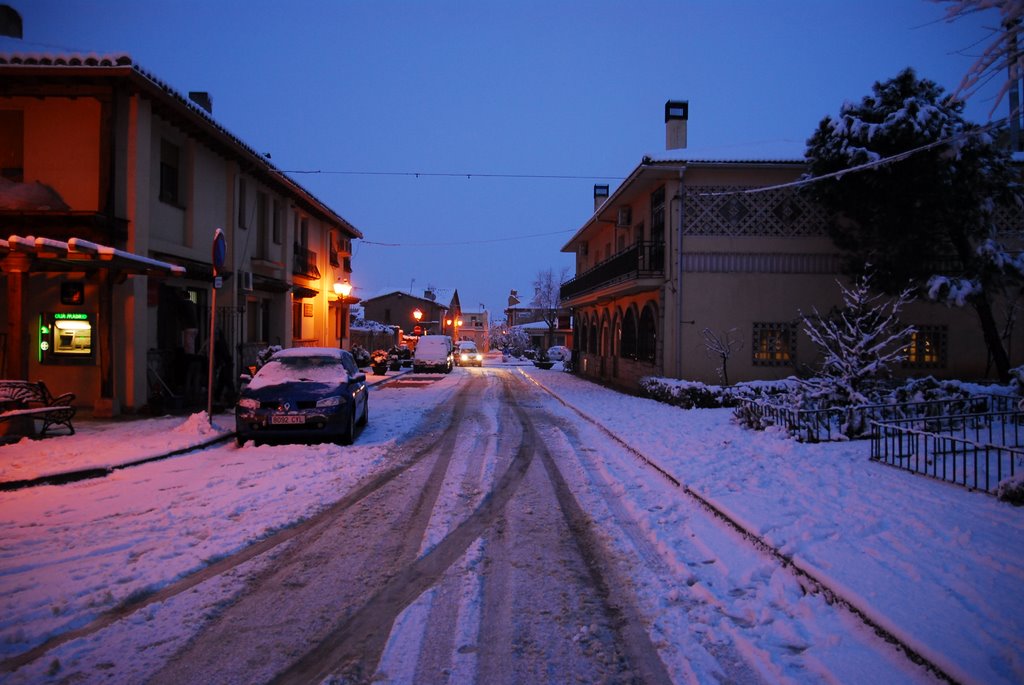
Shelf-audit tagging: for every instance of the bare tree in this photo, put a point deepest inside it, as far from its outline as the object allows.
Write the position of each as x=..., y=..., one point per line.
x=1000, y=54
x=547, y=299
x=722, y=346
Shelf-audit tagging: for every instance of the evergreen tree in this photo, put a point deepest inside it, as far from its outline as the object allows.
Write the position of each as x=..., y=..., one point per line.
x=917, y=214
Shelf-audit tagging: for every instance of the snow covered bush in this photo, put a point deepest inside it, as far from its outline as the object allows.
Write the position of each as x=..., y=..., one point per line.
x=1012, y=490
x=694, y=395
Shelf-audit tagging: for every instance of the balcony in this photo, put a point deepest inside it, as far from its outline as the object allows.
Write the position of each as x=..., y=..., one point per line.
x=304, y=262
x=641, y=261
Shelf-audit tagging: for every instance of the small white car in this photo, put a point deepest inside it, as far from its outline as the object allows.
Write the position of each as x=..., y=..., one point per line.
x=468, y=355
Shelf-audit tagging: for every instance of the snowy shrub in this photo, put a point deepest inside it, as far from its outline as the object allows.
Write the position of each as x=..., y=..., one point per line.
x=264, y=355
x=1011, y=490
x=694, y=395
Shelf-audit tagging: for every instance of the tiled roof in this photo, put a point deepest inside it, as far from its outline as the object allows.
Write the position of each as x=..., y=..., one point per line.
x=122, y=61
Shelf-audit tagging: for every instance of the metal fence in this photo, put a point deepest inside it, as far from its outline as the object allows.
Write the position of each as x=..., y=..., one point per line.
x=826, y=424
x=973, y=450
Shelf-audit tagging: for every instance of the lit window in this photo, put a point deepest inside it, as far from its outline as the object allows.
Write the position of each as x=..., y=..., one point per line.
x=927, y=348
x=774, y=344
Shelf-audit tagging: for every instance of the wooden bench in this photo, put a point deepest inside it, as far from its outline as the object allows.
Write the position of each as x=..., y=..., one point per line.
x=31, y=400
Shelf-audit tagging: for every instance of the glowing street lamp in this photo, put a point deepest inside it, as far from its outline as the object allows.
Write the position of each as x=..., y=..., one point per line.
x=417, y=314
x=343, y=289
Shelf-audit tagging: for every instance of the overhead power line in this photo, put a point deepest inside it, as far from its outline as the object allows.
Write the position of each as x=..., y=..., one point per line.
x=466, y=242
x=453, y=174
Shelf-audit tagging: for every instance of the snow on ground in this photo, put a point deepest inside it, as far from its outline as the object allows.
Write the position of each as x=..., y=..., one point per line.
x=936, y=565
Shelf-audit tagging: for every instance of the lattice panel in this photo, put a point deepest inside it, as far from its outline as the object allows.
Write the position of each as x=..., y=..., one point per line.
x=728, y=210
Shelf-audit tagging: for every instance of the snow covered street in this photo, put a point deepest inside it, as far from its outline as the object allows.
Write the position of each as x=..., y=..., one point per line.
x=527, y=541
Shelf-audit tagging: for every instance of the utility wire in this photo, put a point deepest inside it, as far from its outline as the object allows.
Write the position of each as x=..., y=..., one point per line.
x=466, y=242
x=417, y=174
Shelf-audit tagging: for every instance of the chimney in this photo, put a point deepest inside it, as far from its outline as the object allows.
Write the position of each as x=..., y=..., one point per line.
x=676, y=114
x=202, y=98
x=600, y=196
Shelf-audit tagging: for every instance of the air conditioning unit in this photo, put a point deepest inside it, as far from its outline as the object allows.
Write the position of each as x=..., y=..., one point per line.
x=625, y=217
x=245, y=281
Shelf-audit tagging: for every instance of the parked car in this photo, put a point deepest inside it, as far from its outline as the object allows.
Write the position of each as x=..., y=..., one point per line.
x=559, y=353
x=433, y=353
x=468, y=355
x=303, y=394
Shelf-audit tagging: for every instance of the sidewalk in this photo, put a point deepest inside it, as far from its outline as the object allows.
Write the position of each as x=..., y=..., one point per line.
x=101, y=445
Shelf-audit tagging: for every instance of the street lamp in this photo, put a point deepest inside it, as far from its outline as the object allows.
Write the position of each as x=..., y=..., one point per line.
x=343, y=289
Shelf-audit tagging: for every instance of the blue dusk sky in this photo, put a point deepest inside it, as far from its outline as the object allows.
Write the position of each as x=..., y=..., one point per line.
x=509, y=111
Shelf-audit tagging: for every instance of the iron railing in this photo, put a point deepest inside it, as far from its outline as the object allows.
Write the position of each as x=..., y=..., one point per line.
x=825, y=424
x=641, y=260
x=976, y=451
x=304, y=262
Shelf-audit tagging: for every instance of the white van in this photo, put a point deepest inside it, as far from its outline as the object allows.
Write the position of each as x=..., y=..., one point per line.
x=433, y=353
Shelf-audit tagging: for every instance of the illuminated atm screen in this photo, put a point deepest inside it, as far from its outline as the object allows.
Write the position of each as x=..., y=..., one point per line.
x=67, y=337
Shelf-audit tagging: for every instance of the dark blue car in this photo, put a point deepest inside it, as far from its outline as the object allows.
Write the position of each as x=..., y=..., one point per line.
x=303, y=394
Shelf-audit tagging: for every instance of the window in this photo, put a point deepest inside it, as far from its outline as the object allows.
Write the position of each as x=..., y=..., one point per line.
x=927, y=348
x=629, y=335
x=592, y=338
x=242, y=200
x=774, y=344
x=658, y=215
x=170, y=173
x=278, y=221
x=12, y=145
x=262, y=229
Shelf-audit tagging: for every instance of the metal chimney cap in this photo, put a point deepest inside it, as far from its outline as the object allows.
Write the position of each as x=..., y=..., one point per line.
x=677, y=109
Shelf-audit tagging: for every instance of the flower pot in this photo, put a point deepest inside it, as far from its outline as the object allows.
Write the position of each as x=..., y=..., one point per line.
x=379, y=369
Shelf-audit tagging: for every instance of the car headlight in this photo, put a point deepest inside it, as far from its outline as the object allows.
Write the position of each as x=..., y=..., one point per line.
x=464, y=357
x=248, y=403
x=479, y=357
x=329, y=401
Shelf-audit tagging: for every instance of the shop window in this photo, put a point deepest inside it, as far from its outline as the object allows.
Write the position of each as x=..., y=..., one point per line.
x=170, y=173
x=774, y=344
x=927, y=348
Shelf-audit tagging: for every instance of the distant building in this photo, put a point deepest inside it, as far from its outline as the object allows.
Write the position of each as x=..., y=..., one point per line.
x=398, y=308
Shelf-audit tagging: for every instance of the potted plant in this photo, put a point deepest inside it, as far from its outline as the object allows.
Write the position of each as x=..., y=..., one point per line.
x=542, y=361
x=379, y=362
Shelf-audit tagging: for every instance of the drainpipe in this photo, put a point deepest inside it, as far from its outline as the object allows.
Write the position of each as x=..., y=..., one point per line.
x=681, y=194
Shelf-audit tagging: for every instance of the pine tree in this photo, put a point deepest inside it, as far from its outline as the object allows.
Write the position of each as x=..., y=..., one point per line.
x=928, y=207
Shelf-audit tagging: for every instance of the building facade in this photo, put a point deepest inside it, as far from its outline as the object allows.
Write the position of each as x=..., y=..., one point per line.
x=100, y=150
x=399, y=308
x=685, y=248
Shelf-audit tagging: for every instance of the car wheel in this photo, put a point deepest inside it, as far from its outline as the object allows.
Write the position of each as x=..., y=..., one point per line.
x=349, y=435
x=366, y=412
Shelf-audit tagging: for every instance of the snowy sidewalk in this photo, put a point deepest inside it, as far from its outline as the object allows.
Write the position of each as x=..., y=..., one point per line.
x=937, y=566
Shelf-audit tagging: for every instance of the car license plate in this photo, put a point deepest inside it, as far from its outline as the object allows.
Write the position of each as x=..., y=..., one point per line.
x=287, y=418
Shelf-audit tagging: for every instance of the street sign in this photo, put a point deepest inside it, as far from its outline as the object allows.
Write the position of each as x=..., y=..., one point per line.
x=220, y=251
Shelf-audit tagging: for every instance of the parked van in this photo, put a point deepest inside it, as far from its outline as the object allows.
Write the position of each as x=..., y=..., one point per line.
x=433, y=353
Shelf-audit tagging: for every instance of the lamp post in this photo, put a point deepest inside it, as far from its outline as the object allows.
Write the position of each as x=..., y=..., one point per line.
x=418, y=315
x=342, y=289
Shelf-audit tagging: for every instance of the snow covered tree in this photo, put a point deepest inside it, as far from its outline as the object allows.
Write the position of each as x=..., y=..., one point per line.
x=721, y=346
x=859, y=343
x=928, y=204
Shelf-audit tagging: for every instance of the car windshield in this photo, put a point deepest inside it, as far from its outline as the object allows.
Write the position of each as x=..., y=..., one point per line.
x=299, y=369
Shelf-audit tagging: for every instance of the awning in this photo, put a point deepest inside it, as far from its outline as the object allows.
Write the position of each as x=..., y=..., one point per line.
x=302, y=292
x=47, y=254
